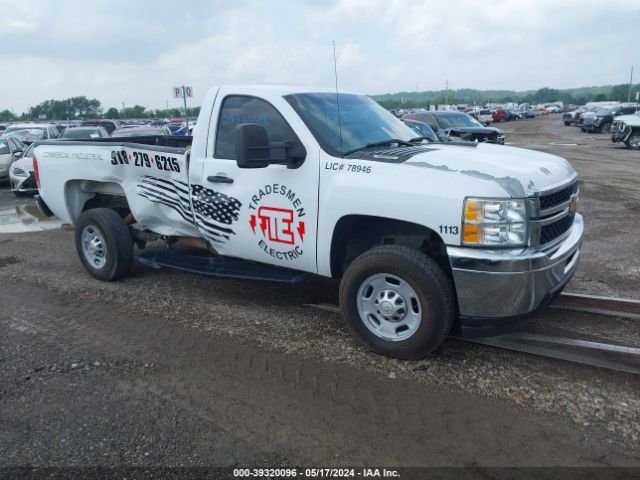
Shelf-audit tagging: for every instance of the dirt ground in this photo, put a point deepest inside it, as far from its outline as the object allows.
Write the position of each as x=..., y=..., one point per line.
x=172, y=369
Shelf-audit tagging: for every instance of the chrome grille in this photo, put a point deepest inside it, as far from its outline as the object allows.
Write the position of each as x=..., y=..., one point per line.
x=550, y=232
x=558, y=198
x=552, y=215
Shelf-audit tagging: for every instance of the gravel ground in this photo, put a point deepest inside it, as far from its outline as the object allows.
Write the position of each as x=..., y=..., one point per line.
x=585, y=415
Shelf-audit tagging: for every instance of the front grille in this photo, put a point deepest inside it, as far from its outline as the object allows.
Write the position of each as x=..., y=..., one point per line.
x=550, y=232
x=558, y=198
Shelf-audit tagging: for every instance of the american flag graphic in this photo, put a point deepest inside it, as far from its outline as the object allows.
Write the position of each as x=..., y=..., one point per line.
x=211, y=208
x=213, y=211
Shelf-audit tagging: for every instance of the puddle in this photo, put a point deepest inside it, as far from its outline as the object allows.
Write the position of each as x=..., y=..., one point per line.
x=26, y=218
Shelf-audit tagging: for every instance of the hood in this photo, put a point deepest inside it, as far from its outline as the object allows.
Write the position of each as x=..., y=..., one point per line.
x=25, y=163
x=633, y=119
x=519, y=171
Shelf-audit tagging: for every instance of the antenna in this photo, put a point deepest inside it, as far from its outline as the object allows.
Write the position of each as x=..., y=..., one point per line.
x=335, y=72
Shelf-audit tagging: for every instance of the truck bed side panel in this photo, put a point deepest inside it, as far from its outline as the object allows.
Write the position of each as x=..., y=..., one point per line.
x=153, y=179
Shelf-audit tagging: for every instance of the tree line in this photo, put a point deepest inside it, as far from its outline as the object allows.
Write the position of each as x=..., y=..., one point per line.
x=570, y=96
x=81, y=108
x=76, y=108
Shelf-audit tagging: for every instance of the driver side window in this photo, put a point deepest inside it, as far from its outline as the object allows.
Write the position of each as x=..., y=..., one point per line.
x=238, y=109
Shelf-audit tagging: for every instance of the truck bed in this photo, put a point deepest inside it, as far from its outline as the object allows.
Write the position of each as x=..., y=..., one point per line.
x=148, y=174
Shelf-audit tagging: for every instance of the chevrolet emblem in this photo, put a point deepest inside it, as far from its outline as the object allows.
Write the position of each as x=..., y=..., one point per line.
x=573, y=204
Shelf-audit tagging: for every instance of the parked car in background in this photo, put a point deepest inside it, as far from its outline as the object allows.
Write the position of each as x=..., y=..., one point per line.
x=21, y=176
x=527, y=113
x=500, y=115
x=601, y=119
x=39, y=131
x=570, y=118
x=626, y=129
x=457, y=126
x=11, y=149
x=422, y=129
x=484, y=116
x=109, y=125
x=83, y=133
x=513, y=115
x=141, y=131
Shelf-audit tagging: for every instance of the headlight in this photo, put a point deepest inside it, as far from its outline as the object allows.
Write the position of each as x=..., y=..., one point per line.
x=18, y=172
x=496, y=223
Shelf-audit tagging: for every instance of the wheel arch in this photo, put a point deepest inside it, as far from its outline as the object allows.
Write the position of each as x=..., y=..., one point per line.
x=82, y=195
x=355, y=234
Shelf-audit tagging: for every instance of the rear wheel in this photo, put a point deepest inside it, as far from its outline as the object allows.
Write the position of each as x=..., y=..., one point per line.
x=566, y=124
x=633, y=142
x=606, y=127
x=398, y=302
x=104, y=244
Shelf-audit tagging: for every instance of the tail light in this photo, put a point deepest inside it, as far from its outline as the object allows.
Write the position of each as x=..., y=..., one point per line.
x=36, y=174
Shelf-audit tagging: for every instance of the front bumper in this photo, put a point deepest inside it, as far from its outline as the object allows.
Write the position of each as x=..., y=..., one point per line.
x=497, y=290
x=620, y=135
x=23, y=184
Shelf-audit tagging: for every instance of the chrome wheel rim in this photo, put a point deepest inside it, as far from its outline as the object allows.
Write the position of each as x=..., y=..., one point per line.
x=94, y=247
x=635, y=141
x=389, y=307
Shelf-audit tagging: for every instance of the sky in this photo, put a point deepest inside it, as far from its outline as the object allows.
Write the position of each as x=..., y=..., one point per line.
x=135, y=51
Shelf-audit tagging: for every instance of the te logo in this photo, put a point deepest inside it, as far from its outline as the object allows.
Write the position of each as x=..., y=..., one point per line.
x=276, y=225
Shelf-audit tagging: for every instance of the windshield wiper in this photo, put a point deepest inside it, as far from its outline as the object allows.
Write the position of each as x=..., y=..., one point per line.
x=381, y=143
x=419, y=139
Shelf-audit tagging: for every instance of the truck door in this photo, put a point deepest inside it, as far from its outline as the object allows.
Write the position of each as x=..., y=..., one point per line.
x=268, y=215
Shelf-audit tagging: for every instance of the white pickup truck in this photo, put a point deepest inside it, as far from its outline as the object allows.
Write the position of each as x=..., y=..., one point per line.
x=425, y=238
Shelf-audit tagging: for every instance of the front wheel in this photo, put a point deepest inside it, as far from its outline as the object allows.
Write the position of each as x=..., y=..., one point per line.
x=606, y=127
x=633, y=142
x=104, y=244
x=398, y=302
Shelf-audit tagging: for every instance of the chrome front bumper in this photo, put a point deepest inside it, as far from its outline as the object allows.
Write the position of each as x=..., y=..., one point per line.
x=497, y=289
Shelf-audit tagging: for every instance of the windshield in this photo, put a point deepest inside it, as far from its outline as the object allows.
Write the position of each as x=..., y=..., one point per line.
x=4, y=148
x=27, y=134
x=17, y=128
x=362, y=121
x=453, y=120
x=78, y=133
x=604, y=110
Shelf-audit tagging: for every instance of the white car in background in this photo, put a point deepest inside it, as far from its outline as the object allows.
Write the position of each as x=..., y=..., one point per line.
x=10, y=150
x=21, y=177
x=29, y=132
x=484, y=116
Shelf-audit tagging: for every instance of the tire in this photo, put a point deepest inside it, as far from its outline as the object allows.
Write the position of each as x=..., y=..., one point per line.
x=605, y=127
x=566, y=124
x=104, y=244
x=393, y=268
x=633, y=142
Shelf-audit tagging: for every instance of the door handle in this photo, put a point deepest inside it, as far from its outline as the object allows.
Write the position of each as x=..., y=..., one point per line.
x=219, y=179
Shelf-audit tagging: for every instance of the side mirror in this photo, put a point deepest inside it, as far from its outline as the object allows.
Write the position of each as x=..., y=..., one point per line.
x=17, y=154
x=252, y=145
x=253, y=149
